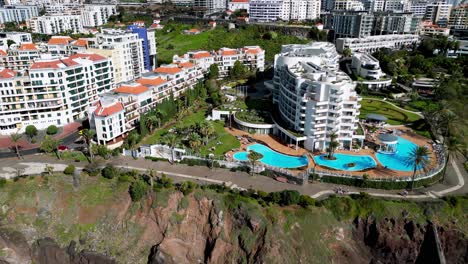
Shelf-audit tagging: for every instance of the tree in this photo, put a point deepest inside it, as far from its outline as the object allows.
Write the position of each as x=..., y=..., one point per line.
x=254, y=157
x=453, y=147
x=347, y=52
x=31, y=131
x=194, y=141
x=50, y=145
x=207, y=130
x=51, y=130
x=101, y=150
x=15, y=138
x=88, y=135
x=418, y=159
x=152, y=175
x=289, y=197
x=132, y=139
x=332, y=145
x=187, y=187
x=213, y=71
x=137, y=190
x=151, y=122
x=159, y=113
x=171, y=140
x=110, y=172
x=237, y=71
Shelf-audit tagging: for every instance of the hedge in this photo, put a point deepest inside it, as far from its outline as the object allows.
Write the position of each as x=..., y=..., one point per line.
x=156, y=158
x=386, y=185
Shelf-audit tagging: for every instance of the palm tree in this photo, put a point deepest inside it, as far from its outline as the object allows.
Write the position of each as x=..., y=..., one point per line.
x=254, y=157
x=453, y=147
x=332, y=145
x=15, y=138
x=151, y=122
x=418, y=159
x=172, y=140
x=50, y=144
x=132, y=139
x=159, y=113
x=207, y=130
x=151, y=175
x=88, y=135
x=194, y=141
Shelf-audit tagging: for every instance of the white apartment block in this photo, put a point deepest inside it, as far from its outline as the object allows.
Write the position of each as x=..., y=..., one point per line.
x=438, y=13
x=459, y=17
x=418, y=8
x=272, y=10
x=52, y=92
x=211, y=6
x=97, y=15
x=55, y=24
x=16, y=37
x=62, y=8
x=125, y=50
x=234, y=5
x=373, y=43
x=348, y=5
x=251, y=56
x=17, y=13
x=19, y=56
x=366, y=66
x=314, y=97
x=118, y=112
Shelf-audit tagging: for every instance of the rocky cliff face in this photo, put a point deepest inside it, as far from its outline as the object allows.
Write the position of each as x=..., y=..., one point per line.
x=206, y=227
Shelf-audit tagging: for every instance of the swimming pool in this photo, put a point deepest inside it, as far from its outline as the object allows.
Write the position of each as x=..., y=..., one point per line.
x=273, y=158
x=397, y=161
x=342, y=160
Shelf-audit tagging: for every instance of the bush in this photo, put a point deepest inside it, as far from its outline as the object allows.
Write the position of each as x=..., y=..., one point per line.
x=156, y=158
x=69, y=170
x=125, y=178
x=93, y=169
x=187, y=187
x=109, y=172
x=52, y=130
x=2, y=182
x=137, y=190
x=164, y=182
x=289, y=197
x=31, y=131
x=306, y=201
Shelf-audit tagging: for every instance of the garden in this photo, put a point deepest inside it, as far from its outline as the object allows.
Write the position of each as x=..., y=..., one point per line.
x=395, y=116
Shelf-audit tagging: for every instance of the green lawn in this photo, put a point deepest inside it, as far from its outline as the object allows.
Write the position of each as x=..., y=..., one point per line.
x=395, y=116
x=228, y=141
x=178, y=43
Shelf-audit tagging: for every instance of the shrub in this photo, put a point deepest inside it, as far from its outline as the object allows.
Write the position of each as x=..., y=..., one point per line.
x=31, y=131
x=93, y=169
x=155, y=158
x=164, y=182
x=109, y=172
x=306, y=201
x=69, y=170
x=289, y=197
x=2, y=182
x=187, y=187
x=125, y=178
x=137, y=190
x=52, y=130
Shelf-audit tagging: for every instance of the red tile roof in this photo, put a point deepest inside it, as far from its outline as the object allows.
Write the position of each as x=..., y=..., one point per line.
x=109, y=110
x=80, y=43
x=7, y=74
x=253, y=50
x=88, y=56
x=167, y=70
x=186, y=64
x=3, y=53
x=228, y=52
x=59, y=40
x=201, y=54
x=132, y=89
x=151, y=81
x=27, y=46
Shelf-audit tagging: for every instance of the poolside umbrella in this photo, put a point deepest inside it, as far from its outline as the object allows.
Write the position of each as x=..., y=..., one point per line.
x=376, y=117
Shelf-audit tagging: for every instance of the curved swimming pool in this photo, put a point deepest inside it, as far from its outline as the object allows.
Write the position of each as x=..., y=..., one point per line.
x=397, y=161
x=342, y=160
x=273, y=158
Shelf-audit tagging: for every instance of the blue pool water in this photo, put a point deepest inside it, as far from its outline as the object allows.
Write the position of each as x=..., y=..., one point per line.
x=273, y=158
x=397, y=161
x=342, y=160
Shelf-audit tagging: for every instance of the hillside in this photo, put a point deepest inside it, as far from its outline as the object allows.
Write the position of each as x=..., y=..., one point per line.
x=96, y=221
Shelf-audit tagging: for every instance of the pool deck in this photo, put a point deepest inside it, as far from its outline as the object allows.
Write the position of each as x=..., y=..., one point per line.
x=379, y=172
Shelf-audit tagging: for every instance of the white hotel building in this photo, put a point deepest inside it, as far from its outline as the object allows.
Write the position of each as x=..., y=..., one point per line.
x=55, y=24
x=52, y=92
x=17, y=13
x=97, y=15
x=374, y=43
x=314, y=97
x=271, y=10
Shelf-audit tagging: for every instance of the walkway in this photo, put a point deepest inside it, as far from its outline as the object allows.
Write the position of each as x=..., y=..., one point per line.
x=35, y=164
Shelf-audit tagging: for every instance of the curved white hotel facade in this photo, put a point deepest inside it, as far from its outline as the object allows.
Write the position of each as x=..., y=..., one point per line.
x=314, y=97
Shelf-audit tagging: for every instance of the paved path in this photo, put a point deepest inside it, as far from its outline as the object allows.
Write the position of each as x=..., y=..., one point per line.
x=35, y=165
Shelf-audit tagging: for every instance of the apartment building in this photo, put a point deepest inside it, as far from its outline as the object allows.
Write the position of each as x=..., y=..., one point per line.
x=55, y=24
x=392, y=23
x=272, y=10
x=438, y=13
x=366, y=66
x=19, y=56
x=210, y=6
x=17, y=13
x=15, y=37
x=97, y=15
x=429, y=29
x=118, y=112
x=53, y=91
x=314, y=98
x=251, y=56
x=125, y=50
x=348, y=5
x=459, y=17
x=373, y=43
x=63, y=8
x=234, y=5
x=148, y=45
x=351, y=24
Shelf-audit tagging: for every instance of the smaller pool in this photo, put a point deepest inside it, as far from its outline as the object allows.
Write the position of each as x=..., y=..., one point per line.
x=273, y=158
x=342, y=160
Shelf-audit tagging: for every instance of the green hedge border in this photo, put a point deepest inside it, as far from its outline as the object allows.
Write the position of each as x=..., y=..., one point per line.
x=386, y=185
